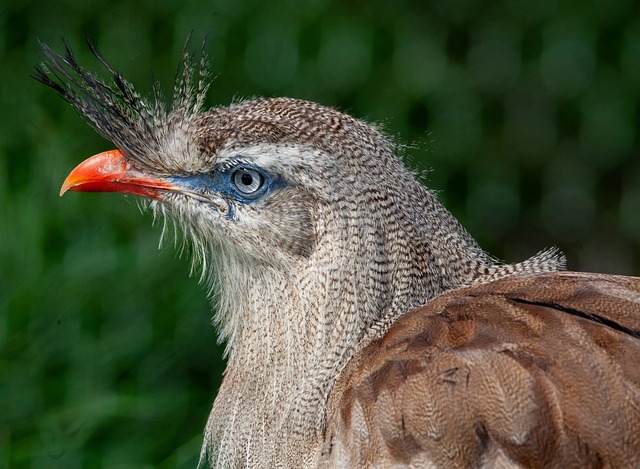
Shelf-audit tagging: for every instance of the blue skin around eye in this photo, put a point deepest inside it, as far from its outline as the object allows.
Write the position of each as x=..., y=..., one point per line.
x=220, y=182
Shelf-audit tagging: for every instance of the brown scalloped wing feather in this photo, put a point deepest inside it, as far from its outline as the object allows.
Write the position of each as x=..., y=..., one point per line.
x=529, y=371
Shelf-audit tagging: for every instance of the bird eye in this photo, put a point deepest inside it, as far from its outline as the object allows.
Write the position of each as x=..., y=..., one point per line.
x=247, y=181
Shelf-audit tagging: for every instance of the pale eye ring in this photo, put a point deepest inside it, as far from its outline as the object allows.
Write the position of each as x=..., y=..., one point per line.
x=247, y=181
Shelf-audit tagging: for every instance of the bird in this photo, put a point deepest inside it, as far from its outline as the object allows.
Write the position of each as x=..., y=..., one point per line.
x=364, y=325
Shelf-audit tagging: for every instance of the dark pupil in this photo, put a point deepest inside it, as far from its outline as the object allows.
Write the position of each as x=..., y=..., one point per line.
x=246, y=179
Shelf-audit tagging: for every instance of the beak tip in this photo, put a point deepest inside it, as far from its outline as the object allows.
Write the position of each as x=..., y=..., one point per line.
x=99, y=169
x=66, y=186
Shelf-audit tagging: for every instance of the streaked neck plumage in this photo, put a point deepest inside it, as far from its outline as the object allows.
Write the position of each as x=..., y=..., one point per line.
x=297, y=322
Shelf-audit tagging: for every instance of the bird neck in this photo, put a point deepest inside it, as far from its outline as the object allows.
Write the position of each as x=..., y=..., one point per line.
x=298, y=325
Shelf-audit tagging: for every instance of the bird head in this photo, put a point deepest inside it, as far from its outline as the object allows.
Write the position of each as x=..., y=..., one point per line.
x=258, y=167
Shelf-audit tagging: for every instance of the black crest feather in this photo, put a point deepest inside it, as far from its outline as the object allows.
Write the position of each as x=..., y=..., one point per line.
x=135, y=125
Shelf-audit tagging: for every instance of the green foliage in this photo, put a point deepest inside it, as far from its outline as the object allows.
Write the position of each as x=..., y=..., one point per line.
x=527, y=111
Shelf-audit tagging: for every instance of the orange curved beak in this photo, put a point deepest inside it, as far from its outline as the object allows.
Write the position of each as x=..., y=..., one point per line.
x=110, y=171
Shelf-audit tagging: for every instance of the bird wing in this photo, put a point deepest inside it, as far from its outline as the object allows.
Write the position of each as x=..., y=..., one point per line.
x=529, y=371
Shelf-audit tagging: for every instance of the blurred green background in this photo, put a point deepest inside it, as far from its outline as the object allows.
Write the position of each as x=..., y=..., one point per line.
x=525, y=111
